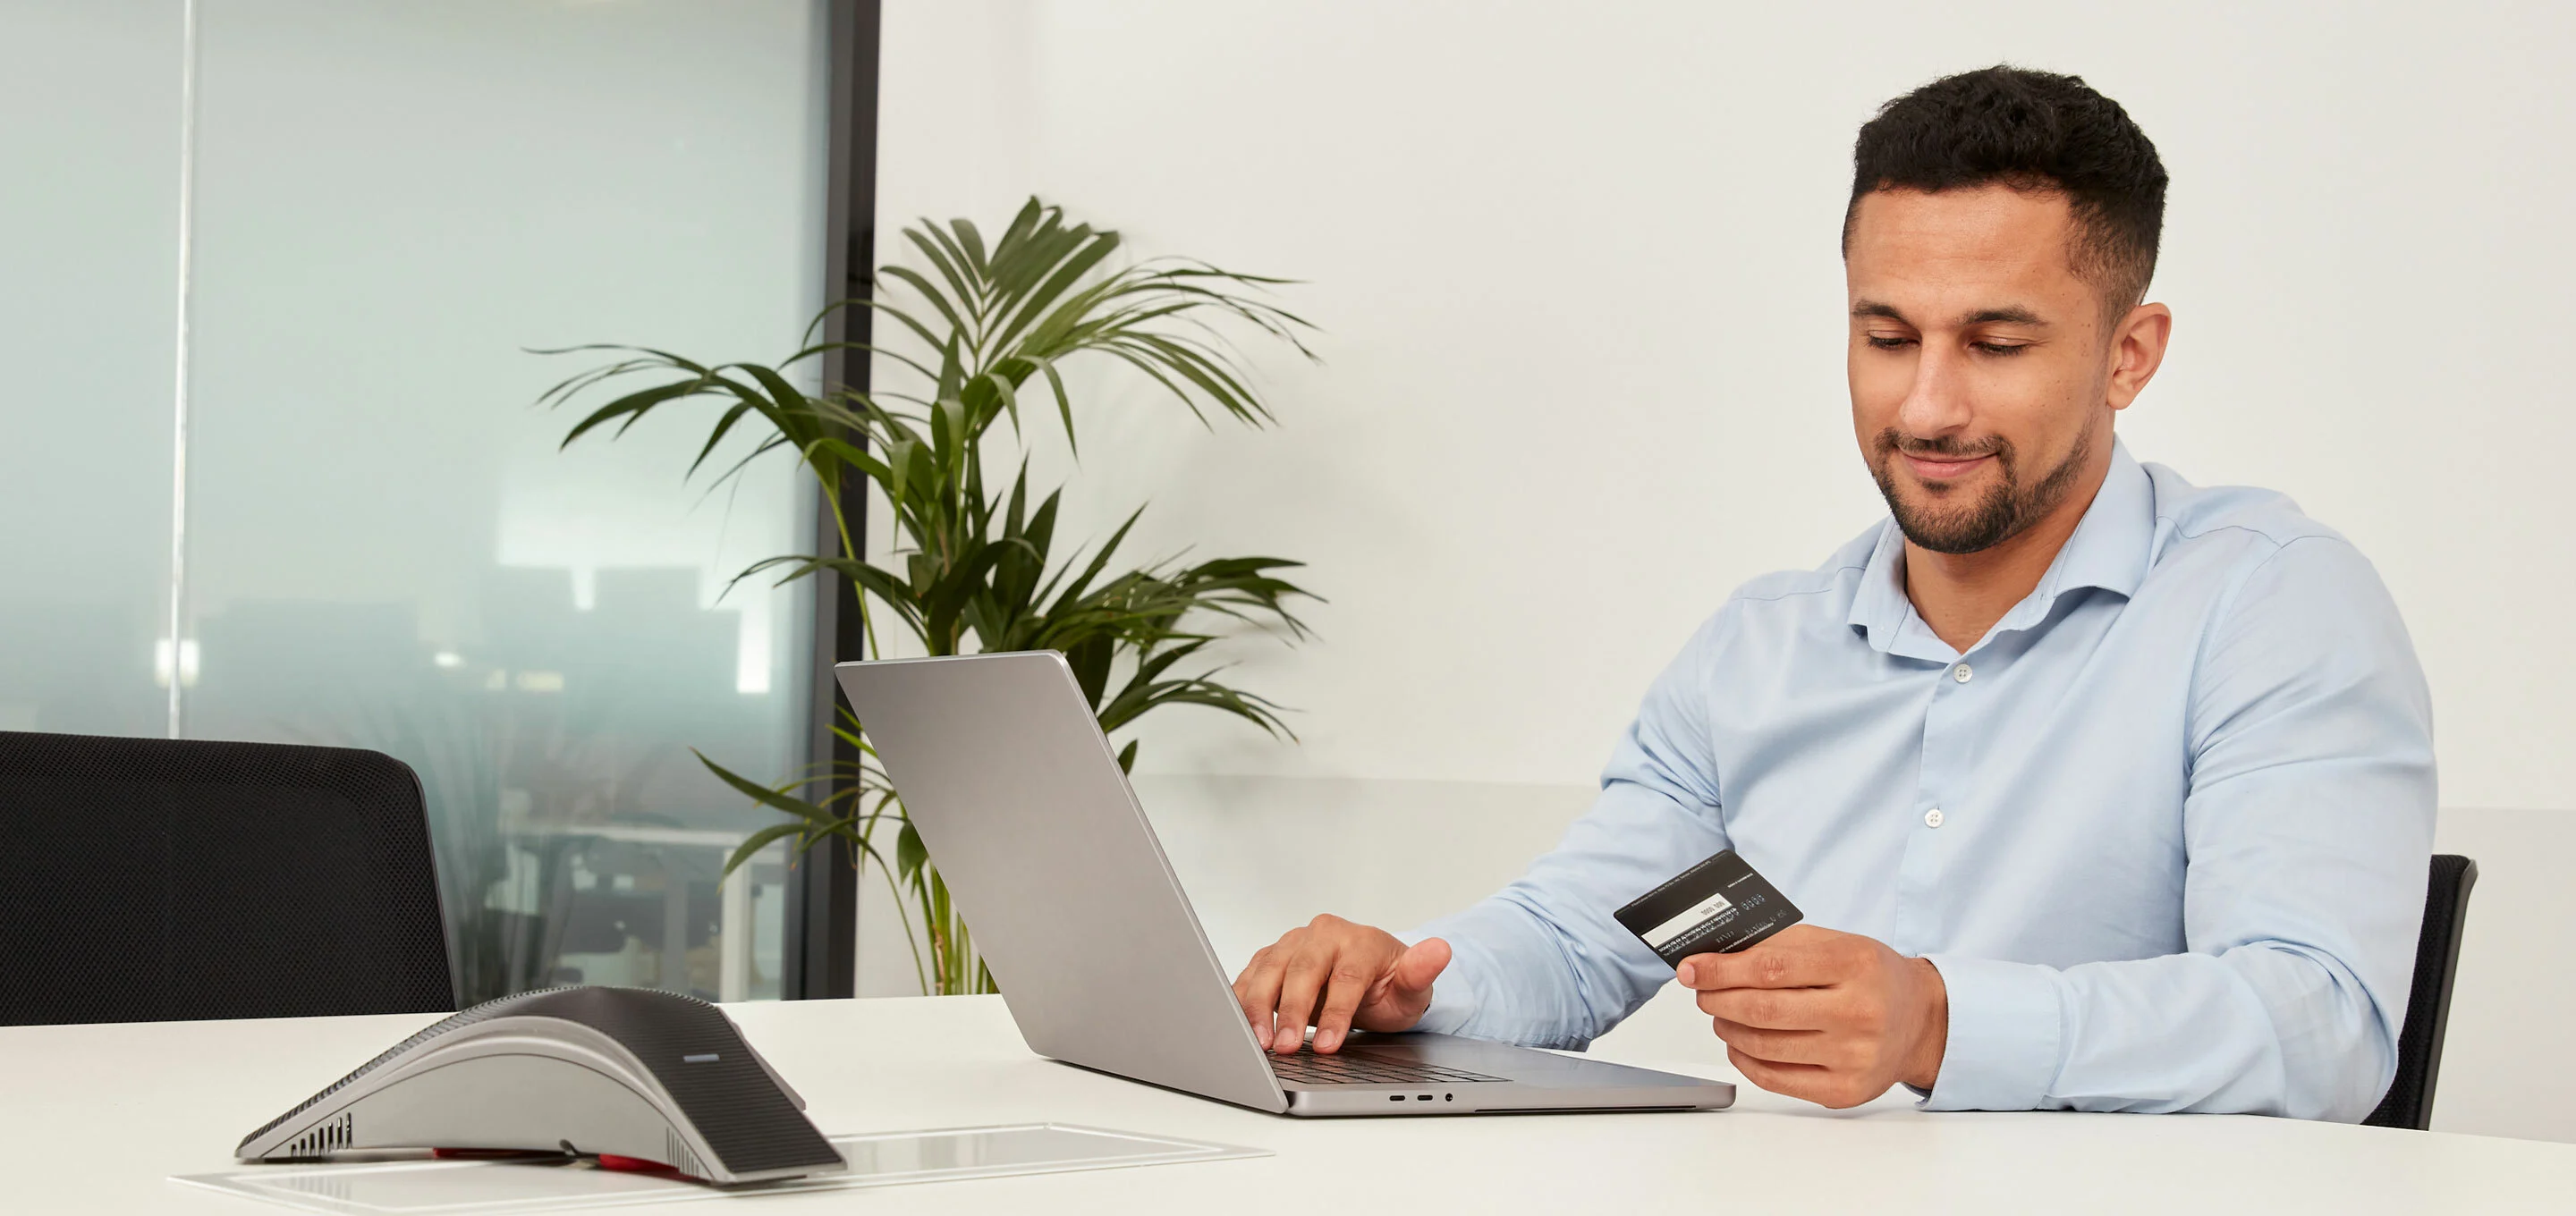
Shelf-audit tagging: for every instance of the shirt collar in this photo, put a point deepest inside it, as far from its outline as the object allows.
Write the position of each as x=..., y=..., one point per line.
x=2110, y=549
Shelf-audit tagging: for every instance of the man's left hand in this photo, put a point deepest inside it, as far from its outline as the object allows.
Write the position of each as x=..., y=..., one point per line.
x=1834, y=1018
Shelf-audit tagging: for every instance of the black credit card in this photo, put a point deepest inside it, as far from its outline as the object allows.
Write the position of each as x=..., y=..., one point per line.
x=1717, y=906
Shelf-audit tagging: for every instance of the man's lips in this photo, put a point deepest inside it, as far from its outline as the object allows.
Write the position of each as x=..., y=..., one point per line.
x=1944, y=468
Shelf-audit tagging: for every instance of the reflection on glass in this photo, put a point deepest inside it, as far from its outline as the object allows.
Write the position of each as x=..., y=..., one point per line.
x=578, y=838
x=89, y=127
x=386, y=550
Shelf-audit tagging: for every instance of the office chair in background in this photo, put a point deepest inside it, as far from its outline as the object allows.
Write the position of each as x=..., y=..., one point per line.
x=146, y=880
x=2428, y=1007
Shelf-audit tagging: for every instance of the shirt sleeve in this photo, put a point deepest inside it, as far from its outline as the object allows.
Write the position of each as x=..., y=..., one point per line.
x=1542, y=962
x=2308, y=827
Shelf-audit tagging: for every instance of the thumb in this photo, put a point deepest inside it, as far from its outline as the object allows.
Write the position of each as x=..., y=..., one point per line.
x=1421, y=964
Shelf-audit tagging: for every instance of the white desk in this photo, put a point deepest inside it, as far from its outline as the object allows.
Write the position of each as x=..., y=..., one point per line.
x=93, y=1118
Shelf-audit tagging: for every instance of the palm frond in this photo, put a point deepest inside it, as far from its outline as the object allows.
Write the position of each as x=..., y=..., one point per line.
x=976, y=321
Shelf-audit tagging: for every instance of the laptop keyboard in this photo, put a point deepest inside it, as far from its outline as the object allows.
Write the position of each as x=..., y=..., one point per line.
x=1360, y=1068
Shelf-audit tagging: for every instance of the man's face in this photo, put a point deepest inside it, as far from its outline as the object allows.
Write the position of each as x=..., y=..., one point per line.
x=1979, y=366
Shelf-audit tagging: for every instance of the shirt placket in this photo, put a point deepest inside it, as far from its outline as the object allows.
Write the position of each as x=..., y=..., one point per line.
x=1948, y=719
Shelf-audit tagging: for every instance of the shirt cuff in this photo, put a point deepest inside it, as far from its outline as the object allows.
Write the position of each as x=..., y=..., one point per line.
x=2007, y=1035
x=1453, y=998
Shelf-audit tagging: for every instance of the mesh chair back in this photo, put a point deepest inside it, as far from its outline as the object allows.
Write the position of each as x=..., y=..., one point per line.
x=2409, y=1102
x=157, y=879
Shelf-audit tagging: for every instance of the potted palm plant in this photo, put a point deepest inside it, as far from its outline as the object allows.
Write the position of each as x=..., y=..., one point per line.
x=978, y=565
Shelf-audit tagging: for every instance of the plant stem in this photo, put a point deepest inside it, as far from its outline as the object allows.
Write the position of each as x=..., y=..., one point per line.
x=919, y=976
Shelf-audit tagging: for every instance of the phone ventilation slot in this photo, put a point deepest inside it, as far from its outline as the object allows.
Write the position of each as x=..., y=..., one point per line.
x=676, y=1154
x=330, y=1137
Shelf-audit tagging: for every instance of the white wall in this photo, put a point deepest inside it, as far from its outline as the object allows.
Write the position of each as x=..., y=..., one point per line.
x=1578, y=275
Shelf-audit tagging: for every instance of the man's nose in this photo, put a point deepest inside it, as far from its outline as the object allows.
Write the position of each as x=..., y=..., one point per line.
x=1936, y=403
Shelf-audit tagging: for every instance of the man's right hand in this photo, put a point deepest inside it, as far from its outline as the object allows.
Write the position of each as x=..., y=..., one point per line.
x=1334, y=975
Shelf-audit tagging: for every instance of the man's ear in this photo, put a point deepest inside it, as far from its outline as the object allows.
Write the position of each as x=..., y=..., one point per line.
x=2137, y=350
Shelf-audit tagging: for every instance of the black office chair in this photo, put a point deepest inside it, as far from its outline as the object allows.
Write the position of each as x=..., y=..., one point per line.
x=146, y=880
x=2428, y=1010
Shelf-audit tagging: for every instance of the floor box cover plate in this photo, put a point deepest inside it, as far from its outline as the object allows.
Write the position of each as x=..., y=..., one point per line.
x=413, y=1187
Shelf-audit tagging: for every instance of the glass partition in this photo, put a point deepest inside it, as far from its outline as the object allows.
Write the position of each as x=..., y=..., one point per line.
x=391, y=203
x=89, y=291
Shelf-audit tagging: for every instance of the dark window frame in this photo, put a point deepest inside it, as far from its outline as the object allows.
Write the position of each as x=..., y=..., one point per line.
x=822, y=923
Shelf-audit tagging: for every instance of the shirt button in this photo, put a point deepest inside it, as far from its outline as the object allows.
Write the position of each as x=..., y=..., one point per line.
x=1962, y=674
x=1932, y=818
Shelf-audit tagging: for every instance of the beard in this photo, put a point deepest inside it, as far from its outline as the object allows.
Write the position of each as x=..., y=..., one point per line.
x=1998, y=514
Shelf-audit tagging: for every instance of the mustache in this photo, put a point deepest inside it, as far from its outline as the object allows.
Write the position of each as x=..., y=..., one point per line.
x=1948, y=447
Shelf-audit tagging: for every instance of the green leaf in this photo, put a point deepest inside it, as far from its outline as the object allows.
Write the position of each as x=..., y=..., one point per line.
x=957, y=324
x=778, y=799
x=634, y=405
x=943, y=255
x=973, y=243
x=910, y=855
x=752, y=845
x=1081, y=261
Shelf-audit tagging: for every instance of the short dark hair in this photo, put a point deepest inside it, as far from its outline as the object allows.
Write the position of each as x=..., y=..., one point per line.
x=2036, y=131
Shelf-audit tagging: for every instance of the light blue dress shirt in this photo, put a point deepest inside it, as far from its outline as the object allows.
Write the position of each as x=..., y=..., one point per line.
x=2164, y=830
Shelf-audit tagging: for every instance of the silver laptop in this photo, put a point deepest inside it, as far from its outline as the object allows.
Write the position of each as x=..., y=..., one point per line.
x=1097, y=952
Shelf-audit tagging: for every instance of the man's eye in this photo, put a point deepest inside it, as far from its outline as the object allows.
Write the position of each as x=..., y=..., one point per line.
x=2001, y=348
x=1888, y=343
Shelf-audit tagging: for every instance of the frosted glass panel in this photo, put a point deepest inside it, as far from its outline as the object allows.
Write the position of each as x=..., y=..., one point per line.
x=89, y=200
x=386, y=548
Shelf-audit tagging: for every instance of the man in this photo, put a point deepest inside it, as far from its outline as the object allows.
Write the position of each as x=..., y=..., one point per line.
x=2101, y=791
